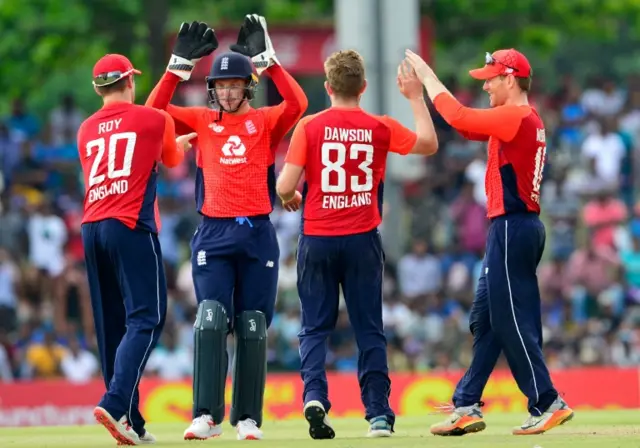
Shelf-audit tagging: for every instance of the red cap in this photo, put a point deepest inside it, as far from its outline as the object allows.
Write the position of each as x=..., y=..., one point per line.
x=503, y=62
x=111, y=68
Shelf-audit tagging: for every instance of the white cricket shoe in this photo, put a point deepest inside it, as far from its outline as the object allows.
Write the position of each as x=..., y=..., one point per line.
x=248, y=430
x=319, y=426
x=558, y=414
x=147, y=439
x=119, y=430
x=202, y=428
x=379, y=427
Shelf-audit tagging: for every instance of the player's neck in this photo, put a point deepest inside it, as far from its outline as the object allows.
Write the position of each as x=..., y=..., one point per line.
x=114, y=98
x=345, y=103
x=519, y=99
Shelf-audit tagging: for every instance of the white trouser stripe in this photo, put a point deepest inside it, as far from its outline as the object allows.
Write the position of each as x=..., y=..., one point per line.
x=135, y=385
x=513, y=310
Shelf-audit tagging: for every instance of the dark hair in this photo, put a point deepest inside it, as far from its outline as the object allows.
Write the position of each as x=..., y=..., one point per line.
x=525, y=83
x=118, y=86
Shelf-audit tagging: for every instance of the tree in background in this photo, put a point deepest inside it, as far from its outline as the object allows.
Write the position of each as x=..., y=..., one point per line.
x=48, y=47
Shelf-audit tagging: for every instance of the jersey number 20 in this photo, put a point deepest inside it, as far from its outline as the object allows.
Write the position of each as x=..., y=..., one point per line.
x=337, y=166
x=100, y=145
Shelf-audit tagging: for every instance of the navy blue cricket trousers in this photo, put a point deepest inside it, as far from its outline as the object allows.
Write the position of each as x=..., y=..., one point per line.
x=506, y=314
x=129, y=300
x=235, y=261
x=355, y=262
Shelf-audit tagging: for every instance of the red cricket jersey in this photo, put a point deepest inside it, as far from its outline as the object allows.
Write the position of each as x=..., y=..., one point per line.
x=236, y=154
x=517, y=151
x=344, y=152
x=120, y=147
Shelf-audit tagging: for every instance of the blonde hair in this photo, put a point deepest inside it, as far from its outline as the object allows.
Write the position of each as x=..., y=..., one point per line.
x=345, y=73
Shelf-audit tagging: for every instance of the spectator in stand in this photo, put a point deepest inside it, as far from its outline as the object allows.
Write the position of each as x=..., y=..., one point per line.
x=419, y=272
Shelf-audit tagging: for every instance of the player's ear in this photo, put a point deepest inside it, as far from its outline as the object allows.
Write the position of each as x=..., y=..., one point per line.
x=364, y=87
x=96, y=90
x=327, y=87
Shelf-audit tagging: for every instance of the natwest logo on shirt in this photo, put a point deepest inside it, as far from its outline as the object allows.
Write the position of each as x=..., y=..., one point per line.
x=233, y=151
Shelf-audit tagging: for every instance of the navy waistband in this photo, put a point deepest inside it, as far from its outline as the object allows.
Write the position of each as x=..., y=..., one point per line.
x=235, y=218
x=515, y=215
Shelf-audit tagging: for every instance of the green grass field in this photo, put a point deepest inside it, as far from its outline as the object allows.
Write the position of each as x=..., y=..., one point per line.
x=603, y=429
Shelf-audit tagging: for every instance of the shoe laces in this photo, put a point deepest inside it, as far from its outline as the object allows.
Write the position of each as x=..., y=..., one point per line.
x=204, y=418
x=443, y=408
x=249, y=422
x=449, y=408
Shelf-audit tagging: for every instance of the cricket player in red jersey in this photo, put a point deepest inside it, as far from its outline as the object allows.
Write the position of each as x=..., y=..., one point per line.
x=235, y=252
x=343, y=152
x=120, y=149
x=506, y=312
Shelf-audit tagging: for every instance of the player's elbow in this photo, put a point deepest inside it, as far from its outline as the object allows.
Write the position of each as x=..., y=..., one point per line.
x=173, y=161
x=426, y=145
x=298, y=108
x=304, y=104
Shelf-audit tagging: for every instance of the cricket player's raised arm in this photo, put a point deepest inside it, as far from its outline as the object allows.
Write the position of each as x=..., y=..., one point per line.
x=294, y=163
x=284, y=116
x=171, y=155
x=185, y=118
x=423, y=141
x=501, y=122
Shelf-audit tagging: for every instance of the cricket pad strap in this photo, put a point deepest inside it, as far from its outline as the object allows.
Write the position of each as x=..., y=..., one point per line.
x=210, y=360
x=250, y=367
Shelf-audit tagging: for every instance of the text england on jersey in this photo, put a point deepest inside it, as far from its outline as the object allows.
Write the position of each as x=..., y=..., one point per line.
x=346, y=201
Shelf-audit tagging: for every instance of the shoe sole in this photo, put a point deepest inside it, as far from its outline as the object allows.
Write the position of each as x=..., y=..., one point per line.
x=379, y=433
x=103, y=417
x=552, y=423
x=318, y=430
x=461, y=431
x=192, y=436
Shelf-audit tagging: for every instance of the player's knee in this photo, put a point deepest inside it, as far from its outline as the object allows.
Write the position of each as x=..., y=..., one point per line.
x=211, y=316
x=251, y=325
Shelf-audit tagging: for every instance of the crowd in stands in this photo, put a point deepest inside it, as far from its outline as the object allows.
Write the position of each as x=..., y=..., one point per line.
x=589, y=277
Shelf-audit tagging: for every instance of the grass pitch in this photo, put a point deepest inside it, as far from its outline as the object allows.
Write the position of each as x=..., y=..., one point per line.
x=602, y=429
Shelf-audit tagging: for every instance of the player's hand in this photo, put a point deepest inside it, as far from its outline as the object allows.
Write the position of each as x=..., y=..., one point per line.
x=418, y=64
x=408, y=82
x=194, y=41
x=254, y=41
x=293, y=205
x=184, y=141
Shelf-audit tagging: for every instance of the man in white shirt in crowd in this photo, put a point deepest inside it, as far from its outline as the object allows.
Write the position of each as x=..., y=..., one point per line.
x=608, y=149
x=79, y=365
x=419, y=272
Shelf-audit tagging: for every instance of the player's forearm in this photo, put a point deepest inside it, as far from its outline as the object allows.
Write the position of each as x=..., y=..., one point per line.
x=172, y=157
x=434, y=87
x=288, y=181
x=162, y=93
x=290, y=90
x=427, y=141
x=286, y=187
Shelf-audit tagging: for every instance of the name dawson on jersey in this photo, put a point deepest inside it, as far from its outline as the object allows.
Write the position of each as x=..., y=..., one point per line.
x=348, y=135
